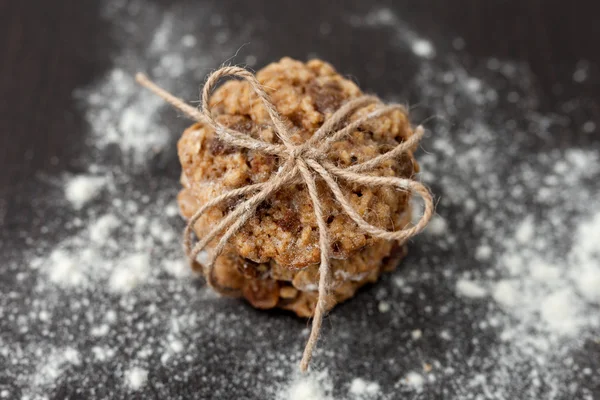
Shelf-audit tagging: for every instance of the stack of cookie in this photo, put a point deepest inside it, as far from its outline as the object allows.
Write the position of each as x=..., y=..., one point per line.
x=273, y=260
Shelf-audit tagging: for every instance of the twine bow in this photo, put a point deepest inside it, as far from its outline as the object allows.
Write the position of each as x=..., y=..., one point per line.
x=305, y=162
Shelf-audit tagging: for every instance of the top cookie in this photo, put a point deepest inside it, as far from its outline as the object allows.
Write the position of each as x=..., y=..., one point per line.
x=284, y=228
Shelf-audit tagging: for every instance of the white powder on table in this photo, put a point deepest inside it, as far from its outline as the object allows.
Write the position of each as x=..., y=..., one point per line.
x=305, y=389
x=84, y=277
x=312, y=385
x=437, y=226
x=81, y=189
x=526, y=230
x=585, y=257
x=50, y=367
x=383, y=306
x=506, y=293
x=103, y=227
x=416, y=334
x=471, y=289
x=510, y=240
x=385, y=17
x=414, y=381
x=64, y=270
x=560, y=312
x=526, y=260
x=483, y=252
x=136, y=378
x=130, y=273
x=589, y=127
x=103, y=354
x=178, y=268
x=423, y=48
x=361, y=389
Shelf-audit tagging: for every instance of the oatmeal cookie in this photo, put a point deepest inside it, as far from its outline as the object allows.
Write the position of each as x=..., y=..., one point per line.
x=273, y=260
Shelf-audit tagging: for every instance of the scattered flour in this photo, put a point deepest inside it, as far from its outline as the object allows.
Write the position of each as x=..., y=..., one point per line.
x=581, y=73
x=313, y=385
x=483, y=252
x=136, y=378
x=100, y=330
x=589, y=127
x=470, y=289
x=384, y=17
x=416, y=334
x=50, y=368
x=559, y=312
x=64, y=269
x=437, y=226
x=132, y=240
x=383, y=306
x=423, y=48
x=506, y=293
x=130, y=273
x=414, y=381
x=444, y=334
x=101, y=230
x=509, y=231
x=361, y=389
x=526, y=230
x=178, y=268
x=103, y=354
x=119, y=112
x=81, y=189
x=585, y=259
x=535, y=245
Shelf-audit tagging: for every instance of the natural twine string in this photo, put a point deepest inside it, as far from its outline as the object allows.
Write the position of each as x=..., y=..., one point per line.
x=306, y=162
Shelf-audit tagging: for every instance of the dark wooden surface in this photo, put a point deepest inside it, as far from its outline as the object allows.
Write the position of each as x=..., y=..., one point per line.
x=50, y=48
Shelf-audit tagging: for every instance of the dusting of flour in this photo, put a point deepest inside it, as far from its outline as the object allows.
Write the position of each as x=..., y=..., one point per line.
x=81, y=189
x=498, y=299
x=136, y=378
x=531, y=221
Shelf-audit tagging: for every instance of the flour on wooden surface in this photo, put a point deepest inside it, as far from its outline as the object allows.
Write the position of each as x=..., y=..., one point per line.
x=49, y=369
x=313, y=385
x=423, y=48
x=416, y=334
x=81, y=189
x=136, y=378
x=530, y=222
x=130, y=273
x=384, y=17
x=102, y=229
x=130, y=241
x=467, y=288
x=437, y=226
x=504, y=282
x=64, y=269
x=364, y=390
x=414, y=381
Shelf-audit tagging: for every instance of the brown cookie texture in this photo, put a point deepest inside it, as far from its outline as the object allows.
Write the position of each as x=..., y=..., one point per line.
x=273, y=260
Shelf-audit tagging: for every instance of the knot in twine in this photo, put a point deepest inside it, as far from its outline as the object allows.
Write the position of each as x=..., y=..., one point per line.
x=305, y=162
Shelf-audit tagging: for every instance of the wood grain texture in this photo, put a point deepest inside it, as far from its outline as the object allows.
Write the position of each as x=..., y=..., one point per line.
x=48, y=49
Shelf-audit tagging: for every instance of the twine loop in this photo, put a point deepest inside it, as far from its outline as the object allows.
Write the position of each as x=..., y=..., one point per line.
x=305, y=162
